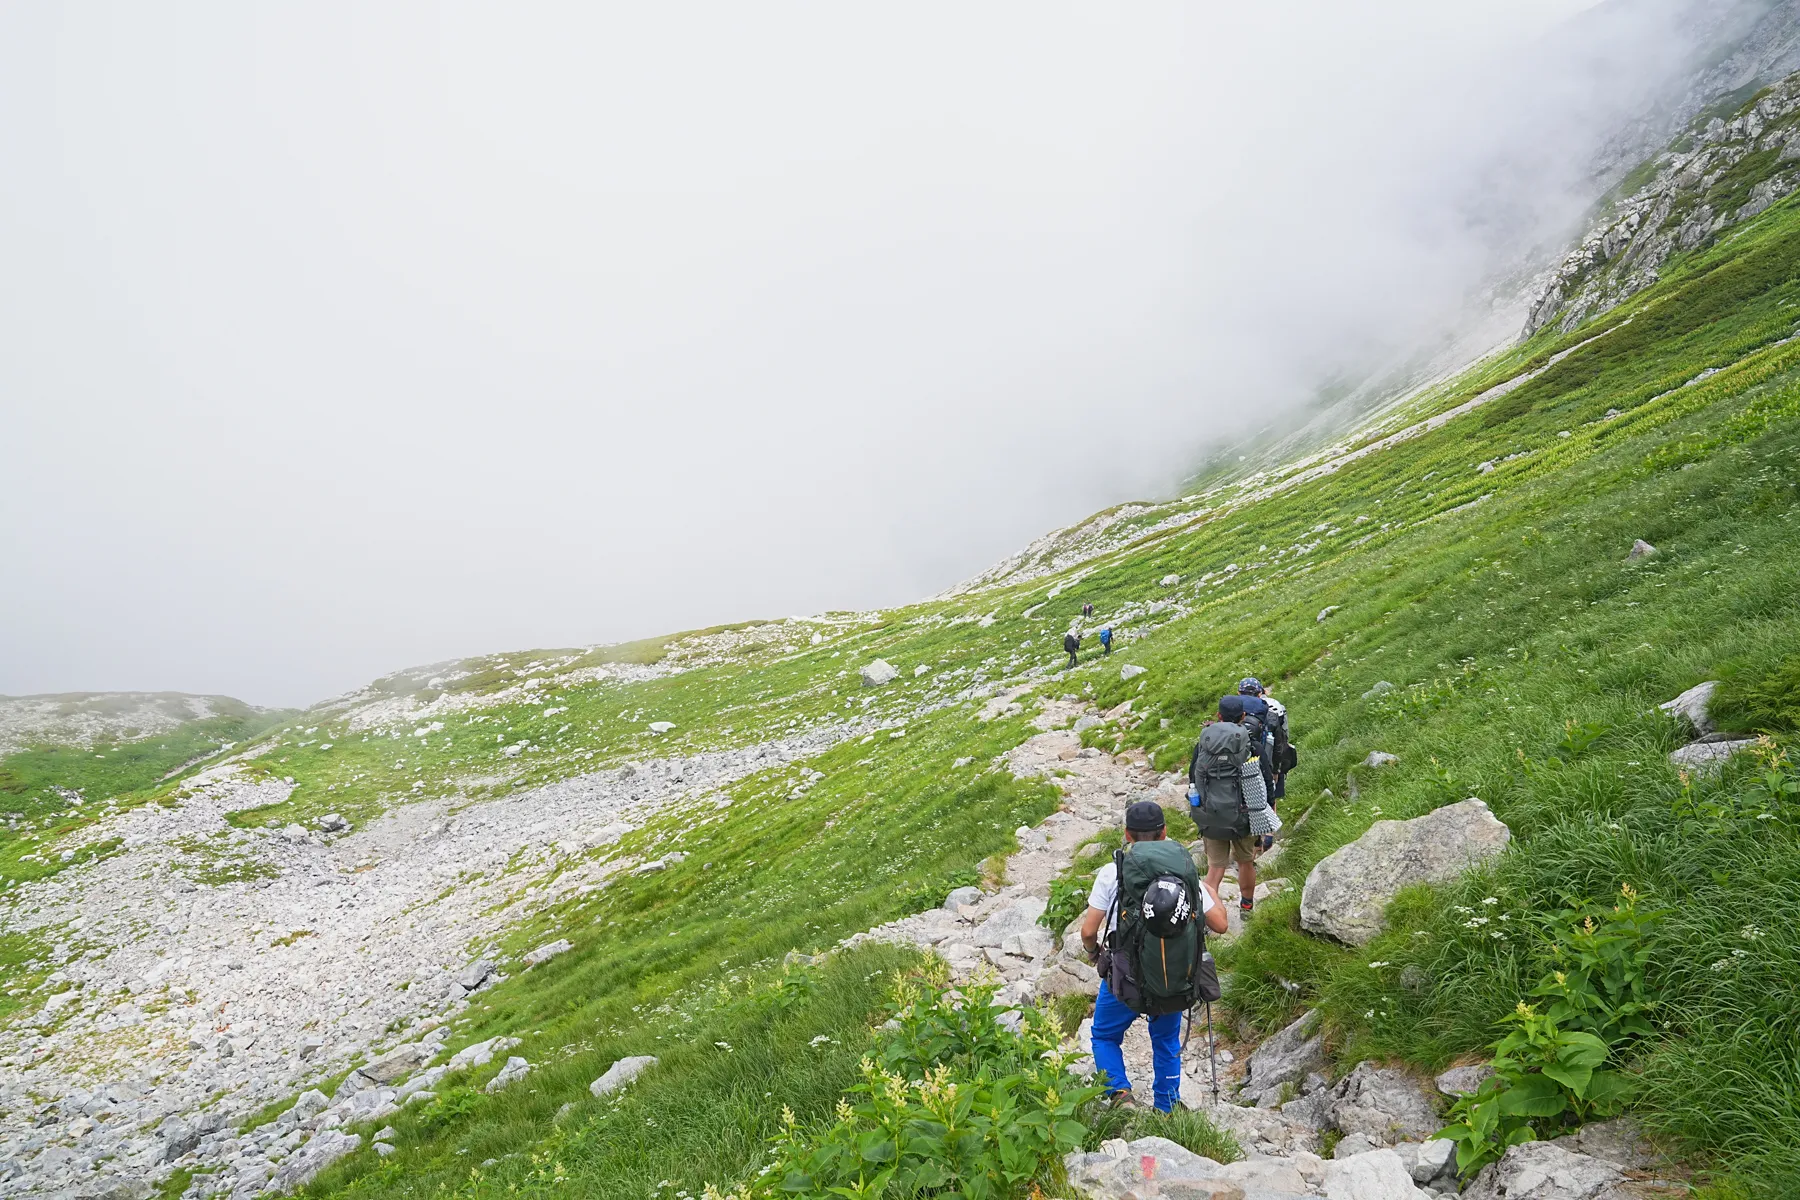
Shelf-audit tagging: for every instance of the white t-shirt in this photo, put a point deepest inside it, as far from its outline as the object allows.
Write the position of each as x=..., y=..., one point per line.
x=1106, y=889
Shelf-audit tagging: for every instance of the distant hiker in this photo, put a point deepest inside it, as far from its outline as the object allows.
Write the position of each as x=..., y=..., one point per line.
x=1227, y=801
x=1106, y=642
x=1087, y=610
x=1072, y=644
x=1151, y=963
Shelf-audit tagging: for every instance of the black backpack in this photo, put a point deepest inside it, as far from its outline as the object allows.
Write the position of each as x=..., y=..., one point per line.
x=1286, y=757
x=1216, y=772
x=1071, y=643
x=1157, y=950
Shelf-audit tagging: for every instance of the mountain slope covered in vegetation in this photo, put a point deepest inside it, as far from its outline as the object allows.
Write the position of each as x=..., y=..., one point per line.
x=1455, y=587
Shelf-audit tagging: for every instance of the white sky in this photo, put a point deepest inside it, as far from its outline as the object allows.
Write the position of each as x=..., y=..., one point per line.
x=341, y=337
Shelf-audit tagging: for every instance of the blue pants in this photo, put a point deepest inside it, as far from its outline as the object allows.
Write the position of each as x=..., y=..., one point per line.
x=1111, y=1020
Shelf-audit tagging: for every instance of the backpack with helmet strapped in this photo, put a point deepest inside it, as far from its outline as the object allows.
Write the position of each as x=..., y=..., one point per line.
x=1156, y=950
x=1217, y=804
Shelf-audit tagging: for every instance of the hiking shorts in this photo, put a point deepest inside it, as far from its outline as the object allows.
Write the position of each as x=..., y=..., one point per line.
x=1219, y=852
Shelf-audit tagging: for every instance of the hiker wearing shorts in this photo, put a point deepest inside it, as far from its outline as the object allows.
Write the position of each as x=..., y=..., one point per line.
x=1260, y=818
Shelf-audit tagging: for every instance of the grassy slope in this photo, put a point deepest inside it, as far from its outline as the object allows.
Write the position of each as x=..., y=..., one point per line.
x=1498, y=622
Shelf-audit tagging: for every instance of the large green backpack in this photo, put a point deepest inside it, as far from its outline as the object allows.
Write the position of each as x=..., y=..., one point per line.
x=1216, y=772
x=1157, y=944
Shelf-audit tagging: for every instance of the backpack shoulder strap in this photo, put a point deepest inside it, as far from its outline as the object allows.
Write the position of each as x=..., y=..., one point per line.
x=1112, y=913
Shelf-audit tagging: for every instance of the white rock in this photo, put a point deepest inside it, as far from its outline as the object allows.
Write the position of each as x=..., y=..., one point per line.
x=1436, y=1158
x=962, y=898
x=1543, y=1171
x=621, y=1073
x=1705, y=758
x=1169, y=580
x=1347, y=891
x=471, y=976
x=1642, y=549
x=548, y=951
x=920, y=670
x=515, y=1069
x=1131, y=671
x=1326, y=612
x=396, y=1062
x=1693, y=706
x=480, y=1053
x=1380, y=758
x=1016, y=918
x=1375, y=1175
x=661, y=726
x=879, y=672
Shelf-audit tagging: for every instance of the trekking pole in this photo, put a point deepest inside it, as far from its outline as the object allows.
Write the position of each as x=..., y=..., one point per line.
x=1212, y=1050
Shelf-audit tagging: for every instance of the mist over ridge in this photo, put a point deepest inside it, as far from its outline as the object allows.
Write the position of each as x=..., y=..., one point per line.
x=350, y=340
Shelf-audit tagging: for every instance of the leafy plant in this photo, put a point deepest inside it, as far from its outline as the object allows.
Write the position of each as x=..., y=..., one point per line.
x=1541, y=1071
x=1550, y=1065
x=1599, y=985
x=953, y=1102
x=1578, y=737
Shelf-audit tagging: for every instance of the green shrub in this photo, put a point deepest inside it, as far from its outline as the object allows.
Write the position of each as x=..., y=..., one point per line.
x=952, y=1102
x=1764, y=698
x=1550, y=1068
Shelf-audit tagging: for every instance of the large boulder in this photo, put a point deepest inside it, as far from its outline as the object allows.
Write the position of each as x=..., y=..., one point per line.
x=1347, y=891
x=1693, y=706
x=1267, y=1131
x=1384, y=1105
x=1286, y=1058
x=1543, y=1171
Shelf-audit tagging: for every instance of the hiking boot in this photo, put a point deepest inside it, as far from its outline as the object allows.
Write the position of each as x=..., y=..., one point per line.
x=1245, y=907
x=1124, y=1099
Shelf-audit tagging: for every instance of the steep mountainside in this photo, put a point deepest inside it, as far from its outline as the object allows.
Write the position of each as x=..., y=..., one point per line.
x=425, y=939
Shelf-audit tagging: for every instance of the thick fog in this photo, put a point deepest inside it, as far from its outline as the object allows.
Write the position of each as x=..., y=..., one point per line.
x=343, y=337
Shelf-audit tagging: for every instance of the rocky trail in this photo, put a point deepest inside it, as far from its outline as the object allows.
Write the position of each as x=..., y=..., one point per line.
x=1365, y=1136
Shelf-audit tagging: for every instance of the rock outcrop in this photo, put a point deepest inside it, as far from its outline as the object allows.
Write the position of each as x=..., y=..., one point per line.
x=1728, y=172
x=1346, y=893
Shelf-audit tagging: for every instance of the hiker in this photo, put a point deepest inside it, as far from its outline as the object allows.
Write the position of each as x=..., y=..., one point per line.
x=1106, y=642
x=1147, y=859
x=1072, y=643
x=1087, y=610
x=1227, y=801
x=1283, y=757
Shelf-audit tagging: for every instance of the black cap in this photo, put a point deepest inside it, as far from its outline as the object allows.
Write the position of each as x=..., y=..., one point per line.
x=1146, y=816
x=1232, y=708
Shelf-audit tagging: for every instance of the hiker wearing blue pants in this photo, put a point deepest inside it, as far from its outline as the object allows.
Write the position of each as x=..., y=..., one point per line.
x=1143, y=822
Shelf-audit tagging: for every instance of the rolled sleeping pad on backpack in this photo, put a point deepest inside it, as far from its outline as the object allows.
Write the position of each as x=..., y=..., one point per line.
x=1263, y=820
